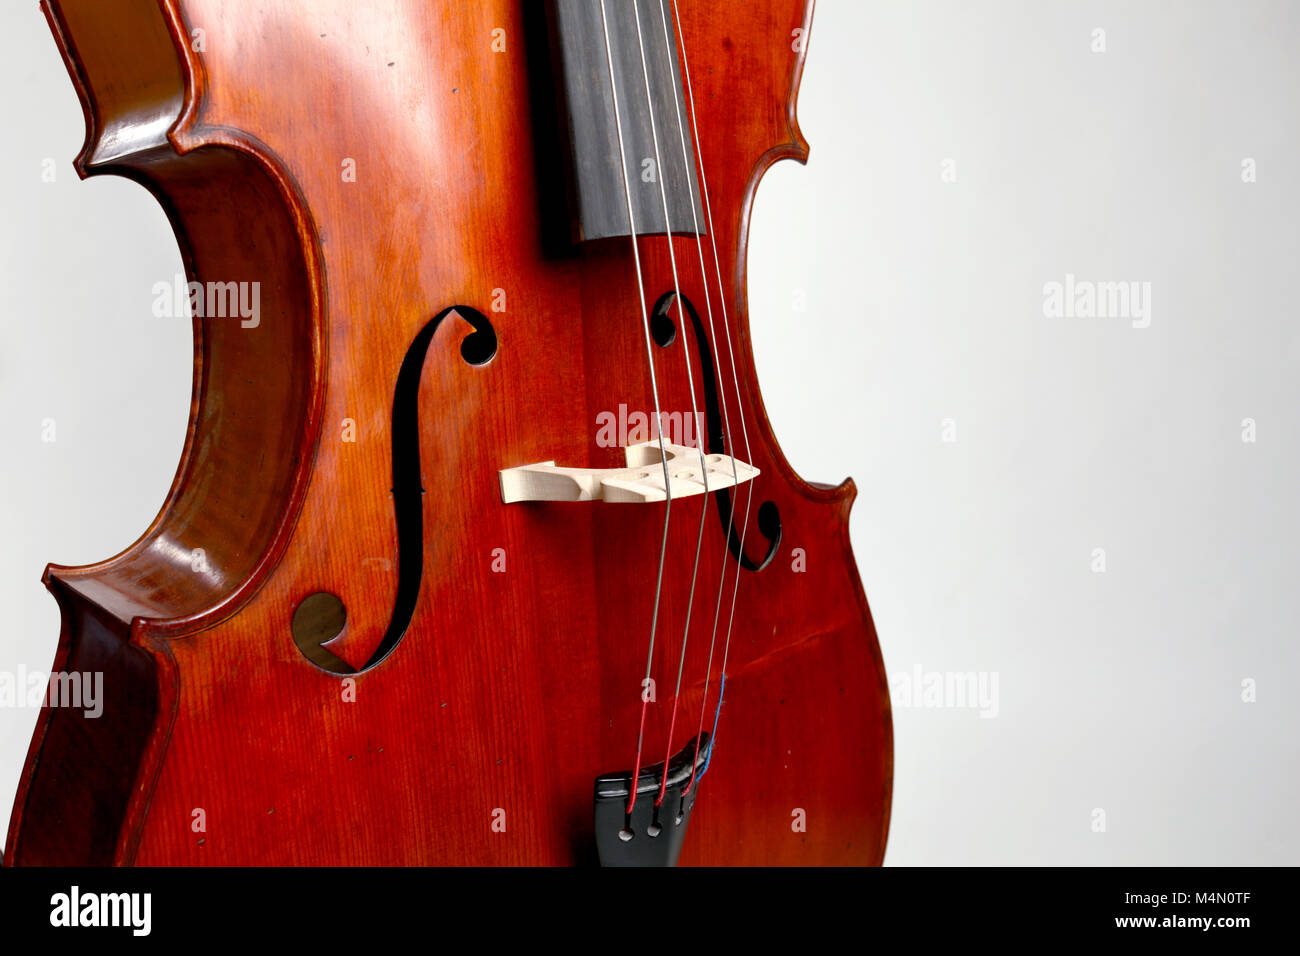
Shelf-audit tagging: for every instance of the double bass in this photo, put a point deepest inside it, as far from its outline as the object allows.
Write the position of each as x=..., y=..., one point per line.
x=481, y=548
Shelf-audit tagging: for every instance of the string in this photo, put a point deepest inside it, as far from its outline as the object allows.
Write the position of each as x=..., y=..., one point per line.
x=690, y=379
x=740, y=410
x=708, y=307
x=654, y=387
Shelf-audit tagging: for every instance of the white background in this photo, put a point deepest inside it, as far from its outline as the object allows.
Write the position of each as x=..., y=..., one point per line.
x=1119, y=690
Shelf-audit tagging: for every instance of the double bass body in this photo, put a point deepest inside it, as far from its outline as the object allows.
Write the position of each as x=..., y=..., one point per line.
x=336, y=643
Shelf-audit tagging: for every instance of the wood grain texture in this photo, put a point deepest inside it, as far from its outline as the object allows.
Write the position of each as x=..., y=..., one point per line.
x=511, y=689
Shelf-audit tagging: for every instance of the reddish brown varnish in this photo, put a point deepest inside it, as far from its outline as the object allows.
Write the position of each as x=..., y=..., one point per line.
x=511, y=690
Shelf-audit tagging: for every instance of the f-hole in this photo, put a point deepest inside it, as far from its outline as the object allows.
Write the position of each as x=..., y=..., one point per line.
x=664, y=331
x=477, y=349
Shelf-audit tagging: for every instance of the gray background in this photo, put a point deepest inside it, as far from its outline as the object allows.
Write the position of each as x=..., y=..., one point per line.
x=924, y=302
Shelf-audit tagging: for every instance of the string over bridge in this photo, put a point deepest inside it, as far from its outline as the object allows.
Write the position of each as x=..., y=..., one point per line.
x=641, y=480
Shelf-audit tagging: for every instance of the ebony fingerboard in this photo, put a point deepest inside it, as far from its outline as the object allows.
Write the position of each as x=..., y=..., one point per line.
x=599, y=194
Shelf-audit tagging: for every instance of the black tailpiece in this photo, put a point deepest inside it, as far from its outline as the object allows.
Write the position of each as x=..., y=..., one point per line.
x=652, y=835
